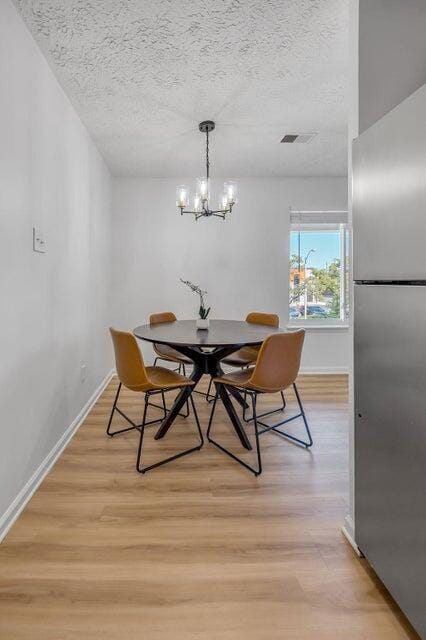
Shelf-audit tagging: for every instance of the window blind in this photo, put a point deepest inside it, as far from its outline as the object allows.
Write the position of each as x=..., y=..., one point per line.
x=318, y=217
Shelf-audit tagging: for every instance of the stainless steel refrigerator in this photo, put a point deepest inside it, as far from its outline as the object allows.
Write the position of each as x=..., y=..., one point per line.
x=389, y=208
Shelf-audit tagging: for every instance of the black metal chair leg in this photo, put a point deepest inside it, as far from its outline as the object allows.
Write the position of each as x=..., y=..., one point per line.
x=164, y=403
x=114, y=409
x=302, y=411
x=163, y=406
x=266, y=413
x=209, y=398
x=200, y=433
x=143, y=470
x=257, y=471
x=290, y=437
x=138, y=459
x=186, y=414
x=180, y=370
x=266, y=428
x=211, y=415
x=129, y=420
x=245, y=406
x=256, y=432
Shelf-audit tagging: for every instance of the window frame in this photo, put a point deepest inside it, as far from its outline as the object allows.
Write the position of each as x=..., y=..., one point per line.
x=344, y=249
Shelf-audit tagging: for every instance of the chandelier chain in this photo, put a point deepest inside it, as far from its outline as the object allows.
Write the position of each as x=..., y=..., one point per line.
x=207, y=155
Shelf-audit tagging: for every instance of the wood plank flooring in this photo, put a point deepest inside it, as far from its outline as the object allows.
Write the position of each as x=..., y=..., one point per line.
x=199, y=549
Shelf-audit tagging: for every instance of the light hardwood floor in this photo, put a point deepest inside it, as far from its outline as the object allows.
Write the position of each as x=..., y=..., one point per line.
x=196, y=550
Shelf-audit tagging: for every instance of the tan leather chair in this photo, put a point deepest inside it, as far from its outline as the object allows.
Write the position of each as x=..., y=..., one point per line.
x=164, y=351
x=133, y=374
x=247, y=356
x=167, y=353
x=276, y=369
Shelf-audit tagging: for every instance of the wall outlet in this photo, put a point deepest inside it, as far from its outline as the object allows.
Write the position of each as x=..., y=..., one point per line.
x=83, y=372
x=39, y=242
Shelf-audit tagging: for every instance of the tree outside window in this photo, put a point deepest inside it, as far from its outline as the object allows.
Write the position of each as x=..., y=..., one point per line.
x=317, y=278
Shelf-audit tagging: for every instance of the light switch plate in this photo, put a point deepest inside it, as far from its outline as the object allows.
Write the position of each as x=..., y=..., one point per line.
x=39, y=243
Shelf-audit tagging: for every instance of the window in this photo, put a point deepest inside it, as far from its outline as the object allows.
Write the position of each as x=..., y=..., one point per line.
x=318, y=269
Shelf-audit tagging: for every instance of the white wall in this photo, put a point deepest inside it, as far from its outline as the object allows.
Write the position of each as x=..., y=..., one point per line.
x=54, y=307
x=242, y=262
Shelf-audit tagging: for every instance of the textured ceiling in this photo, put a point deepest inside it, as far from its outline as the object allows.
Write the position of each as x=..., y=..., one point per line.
x=143, y=73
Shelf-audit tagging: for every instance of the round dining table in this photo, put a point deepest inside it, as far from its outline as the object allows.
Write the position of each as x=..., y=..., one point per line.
x=206, y=349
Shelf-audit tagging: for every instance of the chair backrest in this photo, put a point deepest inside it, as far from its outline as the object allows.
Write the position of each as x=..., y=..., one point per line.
x=268, y=319
x=128, y=360
x=165, y=316
x=278, y=361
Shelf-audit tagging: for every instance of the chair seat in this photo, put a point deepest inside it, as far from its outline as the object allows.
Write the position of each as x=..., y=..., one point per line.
x=168, y=353
x=162, y=378
x=238, y=378
x=241, y=379
x=243, y=357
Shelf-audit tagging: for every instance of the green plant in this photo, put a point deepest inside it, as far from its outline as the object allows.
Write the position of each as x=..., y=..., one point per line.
x=202, y=312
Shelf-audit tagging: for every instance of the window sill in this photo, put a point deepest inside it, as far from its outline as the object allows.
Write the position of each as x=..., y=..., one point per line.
x=318, y=327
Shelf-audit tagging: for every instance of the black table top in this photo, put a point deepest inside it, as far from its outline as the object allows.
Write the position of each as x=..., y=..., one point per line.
x=220, y=333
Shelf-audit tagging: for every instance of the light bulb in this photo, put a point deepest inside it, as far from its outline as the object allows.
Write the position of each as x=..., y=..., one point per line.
x=197, y=203
x=223, y=202
x=231, y=192
x=182, y=196
x=203, y=189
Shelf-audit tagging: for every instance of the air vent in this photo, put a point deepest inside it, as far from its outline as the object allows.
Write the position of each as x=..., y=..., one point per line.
x=298, y=138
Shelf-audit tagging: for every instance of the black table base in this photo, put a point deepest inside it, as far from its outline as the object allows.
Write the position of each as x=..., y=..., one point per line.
x=206, y=362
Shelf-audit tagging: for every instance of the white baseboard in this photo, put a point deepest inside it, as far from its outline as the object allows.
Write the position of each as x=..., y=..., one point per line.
x=309, y=371
x=18, y=504
x=324, y=371
x=348, y=531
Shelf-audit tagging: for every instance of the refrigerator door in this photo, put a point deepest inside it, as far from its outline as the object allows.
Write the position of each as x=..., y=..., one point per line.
x=389, y=195
x=390, y=440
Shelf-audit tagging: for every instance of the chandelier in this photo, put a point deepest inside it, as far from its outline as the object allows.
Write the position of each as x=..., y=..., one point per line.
x=201, y=202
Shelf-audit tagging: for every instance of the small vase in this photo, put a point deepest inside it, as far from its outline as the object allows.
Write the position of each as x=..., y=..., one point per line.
x=202, y=323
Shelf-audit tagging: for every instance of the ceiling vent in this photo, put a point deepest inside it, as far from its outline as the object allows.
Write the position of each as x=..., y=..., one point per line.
x=298, y=138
